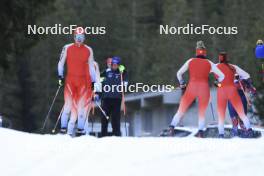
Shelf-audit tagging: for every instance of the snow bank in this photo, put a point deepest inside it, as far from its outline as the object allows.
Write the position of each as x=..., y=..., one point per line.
x=23, y=154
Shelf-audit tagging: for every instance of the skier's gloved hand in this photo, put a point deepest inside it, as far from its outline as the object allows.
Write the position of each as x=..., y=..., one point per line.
x=248, y=82
x=96, y=97
x=217, y=84
x=182, y=85
x=92, y=86
x=97, y=87
x=237, y=80
x=121, y=68
x=237, y=77
x=125, y=83
x=61, y=81
x=102, y=79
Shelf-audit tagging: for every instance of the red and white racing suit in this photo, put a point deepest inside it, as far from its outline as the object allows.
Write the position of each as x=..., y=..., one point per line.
x=198, y=87
x=78, y=82
x=228, y=92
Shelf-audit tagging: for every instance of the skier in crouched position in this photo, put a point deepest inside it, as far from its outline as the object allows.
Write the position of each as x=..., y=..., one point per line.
x=198, y=87
x=228, y=92
x=78, y=82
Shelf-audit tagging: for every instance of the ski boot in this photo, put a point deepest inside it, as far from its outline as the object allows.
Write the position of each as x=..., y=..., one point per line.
x=171, y=131
x=79, y=132
x=63, y=131
x=200, y=134
x=248, y=133
x=221, y=136
x=234, y=132
x=241, y=124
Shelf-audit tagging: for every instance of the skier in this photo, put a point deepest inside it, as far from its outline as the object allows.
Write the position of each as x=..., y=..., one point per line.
x=198, y=87
x=111, y=100
x=108, y=63
x=108, y=68
x=97, y=89
x=259, y=54
x=227, y=91
x=242, y=87
x=259, y=49
x=80, y=75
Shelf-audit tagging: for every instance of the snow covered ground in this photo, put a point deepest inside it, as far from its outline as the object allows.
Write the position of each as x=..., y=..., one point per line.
x=23, y=154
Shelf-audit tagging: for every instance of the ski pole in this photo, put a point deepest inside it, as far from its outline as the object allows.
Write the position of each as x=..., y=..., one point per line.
x=51, y=106
x=123, y=95
x=175, y=88
x=123, y=102
x=53, y=131
x=92, y=118
x=89, y=104
x=101, y=109
x=92, y=124
x=212, y=110
x=93, y=105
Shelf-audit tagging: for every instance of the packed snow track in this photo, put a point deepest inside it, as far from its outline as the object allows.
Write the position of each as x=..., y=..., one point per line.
x=25, y=154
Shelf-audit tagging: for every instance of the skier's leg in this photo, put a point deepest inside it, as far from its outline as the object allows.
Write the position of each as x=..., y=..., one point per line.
x=87, y=113
x=185, y=102
x=73, y=119
x=233, y=116
x=104, y=121
x=73, y=116
x=244, y=102
x=237, y=103
x=203, y=100
x=88, y=105
x=116, y=114
x=67, y=107
x=81, y=108
x=221, y=109
x=243, y=99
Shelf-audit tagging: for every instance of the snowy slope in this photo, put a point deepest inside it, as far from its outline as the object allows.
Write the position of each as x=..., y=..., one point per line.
x=23, y=154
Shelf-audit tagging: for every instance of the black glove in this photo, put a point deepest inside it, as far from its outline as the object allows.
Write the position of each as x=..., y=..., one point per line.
x=96, y=97
x=93, y=86
x=237, y=77
x=61, y=81
x=217, y=84
x=248, y=82
x=183, y=85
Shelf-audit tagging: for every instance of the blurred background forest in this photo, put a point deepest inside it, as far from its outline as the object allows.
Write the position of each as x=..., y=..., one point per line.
x=28, y=71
